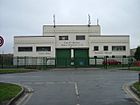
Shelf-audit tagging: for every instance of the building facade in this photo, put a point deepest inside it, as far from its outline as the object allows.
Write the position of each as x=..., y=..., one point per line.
x=70, y=45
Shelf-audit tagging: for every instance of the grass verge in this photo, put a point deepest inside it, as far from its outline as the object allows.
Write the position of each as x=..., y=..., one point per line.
x=8, y=91
x=6, y=71
x=137, y=86
x=136, y=68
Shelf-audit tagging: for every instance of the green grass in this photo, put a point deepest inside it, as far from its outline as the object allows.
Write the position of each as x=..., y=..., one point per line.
x=114, y=66
x=136, y=68
x=132, y=67
x=8, y=91
x=137, y=87
x=6, y=71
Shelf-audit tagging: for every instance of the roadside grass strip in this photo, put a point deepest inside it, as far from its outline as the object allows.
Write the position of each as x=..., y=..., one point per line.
x=136, y=68
x=137, y=86
x=8, y=91
x=7, y=71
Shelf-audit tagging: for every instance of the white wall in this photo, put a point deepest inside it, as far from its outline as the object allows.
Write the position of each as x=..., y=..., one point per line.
x=108, y=41
x=51, y=35
x=51, y=38
x=90, y=42
x=72, y=42
x=34, y=41
x=71, y=29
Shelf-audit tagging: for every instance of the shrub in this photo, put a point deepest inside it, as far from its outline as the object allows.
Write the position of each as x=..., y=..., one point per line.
x=137, y=54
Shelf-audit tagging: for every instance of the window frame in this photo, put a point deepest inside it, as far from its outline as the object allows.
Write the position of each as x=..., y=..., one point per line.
x=119, y=48
x=43, y=47
x=105, y=48
x=64, y=37
x=25, y=49
x=95, y=48
x=80, y=37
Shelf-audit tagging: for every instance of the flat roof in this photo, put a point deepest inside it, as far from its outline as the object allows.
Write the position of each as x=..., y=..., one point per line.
x=70, y=25
x=89, y=36
x=108, y=35
x=31, y=36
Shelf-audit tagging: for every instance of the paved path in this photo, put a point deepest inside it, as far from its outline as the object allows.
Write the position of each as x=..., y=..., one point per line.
x=79, y=87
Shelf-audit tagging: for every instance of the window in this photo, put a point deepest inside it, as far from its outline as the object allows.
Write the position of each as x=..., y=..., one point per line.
x=124, y=56
x=95, y=56
x=113, y=56
x=63, y=37
x=25, y=49
x=43, y=48
x=118, y=48
x=107, y=56
x=105, y=48
x=80, y=37
x=96, y=48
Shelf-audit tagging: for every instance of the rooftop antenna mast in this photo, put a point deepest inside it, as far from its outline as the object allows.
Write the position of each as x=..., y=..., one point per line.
x=89, y=22
x=97, y=21
x=54, y=20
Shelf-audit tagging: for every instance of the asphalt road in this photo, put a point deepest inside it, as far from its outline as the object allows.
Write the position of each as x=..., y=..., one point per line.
x=75, y=87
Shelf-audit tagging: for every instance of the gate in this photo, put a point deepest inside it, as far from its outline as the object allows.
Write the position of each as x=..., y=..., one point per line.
x=81, y=57
x=63, y=57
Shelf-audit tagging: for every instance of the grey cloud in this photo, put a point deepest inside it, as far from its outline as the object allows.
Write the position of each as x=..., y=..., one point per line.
x=26, y=17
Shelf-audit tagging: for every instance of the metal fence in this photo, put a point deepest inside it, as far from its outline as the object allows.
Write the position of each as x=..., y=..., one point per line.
x=6, y=61
x=44, y=62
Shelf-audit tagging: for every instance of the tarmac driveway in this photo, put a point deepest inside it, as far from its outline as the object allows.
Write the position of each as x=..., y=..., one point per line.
x=75, y=86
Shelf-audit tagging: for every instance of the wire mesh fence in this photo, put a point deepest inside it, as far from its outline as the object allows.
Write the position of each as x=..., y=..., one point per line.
x=44, y=62
x=6, y=61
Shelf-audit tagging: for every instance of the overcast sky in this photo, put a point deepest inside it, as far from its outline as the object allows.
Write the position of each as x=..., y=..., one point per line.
x=26, y=17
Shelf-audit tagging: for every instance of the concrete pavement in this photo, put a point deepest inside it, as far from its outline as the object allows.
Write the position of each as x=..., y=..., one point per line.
x=79, y=87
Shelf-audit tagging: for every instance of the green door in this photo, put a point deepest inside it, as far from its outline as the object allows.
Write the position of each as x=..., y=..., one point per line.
x=81, y=57
x=63, y=57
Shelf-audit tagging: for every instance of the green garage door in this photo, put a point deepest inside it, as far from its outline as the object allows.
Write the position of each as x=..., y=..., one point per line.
x=63, y=57
x=81, y=57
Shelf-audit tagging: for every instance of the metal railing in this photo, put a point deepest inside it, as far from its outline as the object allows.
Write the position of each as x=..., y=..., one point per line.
x=44, y=62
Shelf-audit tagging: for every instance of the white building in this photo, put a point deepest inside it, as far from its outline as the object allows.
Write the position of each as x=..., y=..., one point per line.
x=71, y=44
